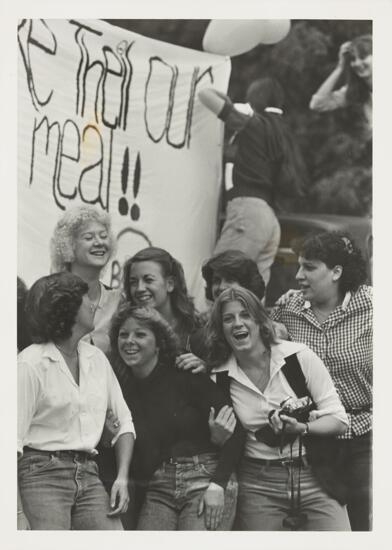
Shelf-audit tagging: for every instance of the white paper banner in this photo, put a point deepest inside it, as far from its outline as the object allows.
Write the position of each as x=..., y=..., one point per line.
x=111, y=118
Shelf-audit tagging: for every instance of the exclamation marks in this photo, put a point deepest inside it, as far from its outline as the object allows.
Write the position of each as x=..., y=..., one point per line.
x=123, y=206
x=135, y=210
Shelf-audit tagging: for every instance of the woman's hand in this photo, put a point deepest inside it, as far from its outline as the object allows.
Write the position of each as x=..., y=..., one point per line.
x=291, y=425
x=189, y=361
x=212, y=502
x=222, y=426
x=23, y=522
x=343, y=51
x=283, y=300
x=110, y=429
x=119, y=497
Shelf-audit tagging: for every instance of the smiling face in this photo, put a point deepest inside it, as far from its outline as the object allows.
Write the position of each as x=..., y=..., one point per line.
x=239, y=327
x=317, y=281
x=219, y=284
x=148, y=286
x=92, y=247
x=362, y=65
x=137, y=347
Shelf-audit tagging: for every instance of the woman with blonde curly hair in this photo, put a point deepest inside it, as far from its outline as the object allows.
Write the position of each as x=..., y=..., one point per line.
x=83, y=243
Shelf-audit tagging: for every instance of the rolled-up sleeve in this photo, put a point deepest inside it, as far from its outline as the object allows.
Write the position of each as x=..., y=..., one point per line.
x=329, y=102
x=28, y=391
x=320, y=385
x=118, y=405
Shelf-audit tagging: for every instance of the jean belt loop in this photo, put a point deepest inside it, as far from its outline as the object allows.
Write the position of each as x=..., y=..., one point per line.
x=195, y=460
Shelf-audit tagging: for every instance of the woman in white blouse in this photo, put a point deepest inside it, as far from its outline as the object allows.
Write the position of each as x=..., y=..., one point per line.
x=83, y=243
x=355, y=66
x=65, y=386
x=278, y=490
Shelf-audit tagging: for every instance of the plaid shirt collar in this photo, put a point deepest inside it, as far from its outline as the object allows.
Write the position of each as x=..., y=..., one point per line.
x=344, y=305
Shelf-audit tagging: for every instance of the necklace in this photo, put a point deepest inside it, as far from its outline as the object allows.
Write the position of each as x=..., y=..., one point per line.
x=70, y=355
x=261, y=381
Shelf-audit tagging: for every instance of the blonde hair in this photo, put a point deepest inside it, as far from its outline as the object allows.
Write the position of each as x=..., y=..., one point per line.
x=62, y=244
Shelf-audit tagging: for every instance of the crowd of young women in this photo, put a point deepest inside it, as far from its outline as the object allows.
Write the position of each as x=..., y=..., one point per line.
x=233, y=418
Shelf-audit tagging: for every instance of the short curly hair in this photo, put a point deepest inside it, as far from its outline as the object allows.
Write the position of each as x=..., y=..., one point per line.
x=236, y=266
x=335, y=248
x=62, y=244
x=166, y=339
x=52, y=305
x=219, y=349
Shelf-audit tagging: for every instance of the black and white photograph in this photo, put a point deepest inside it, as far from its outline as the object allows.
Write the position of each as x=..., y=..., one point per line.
x=195, y=198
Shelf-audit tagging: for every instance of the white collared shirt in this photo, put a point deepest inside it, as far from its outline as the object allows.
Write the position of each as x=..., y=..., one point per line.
x=252, y=406
x=107, y=305
x=55, y=413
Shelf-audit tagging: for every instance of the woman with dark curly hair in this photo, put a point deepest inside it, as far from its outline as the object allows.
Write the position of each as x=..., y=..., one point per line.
x=153, y=278
x=278, y=490
x=82, y=243
x=65, y=386
x=332, y=314
x=355, y=64
x=186, y=478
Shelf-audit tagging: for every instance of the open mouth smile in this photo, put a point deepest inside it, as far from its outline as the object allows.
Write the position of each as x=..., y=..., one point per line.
x=240, y=335
x=142, y=298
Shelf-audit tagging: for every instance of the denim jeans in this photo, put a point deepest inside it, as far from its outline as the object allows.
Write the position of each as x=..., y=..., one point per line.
x=252, y=227
x=264, y=499
x=357, y=460
x=61, y=491
x=174, y=492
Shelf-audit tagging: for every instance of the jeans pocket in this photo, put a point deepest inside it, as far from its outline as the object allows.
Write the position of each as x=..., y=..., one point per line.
x=40, y=463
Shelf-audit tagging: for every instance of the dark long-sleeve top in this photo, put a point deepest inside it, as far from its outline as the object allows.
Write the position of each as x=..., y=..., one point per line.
x=170, y=410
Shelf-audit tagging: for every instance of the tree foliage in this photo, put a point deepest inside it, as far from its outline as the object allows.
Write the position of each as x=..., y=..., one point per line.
x=337, y=154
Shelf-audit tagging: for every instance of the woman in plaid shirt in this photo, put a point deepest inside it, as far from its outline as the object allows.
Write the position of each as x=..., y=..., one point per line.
x=332, y=314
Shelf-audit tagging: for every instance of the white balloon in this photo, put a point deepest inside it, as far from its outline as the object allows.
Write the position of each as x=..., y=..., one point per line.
x=234, y=36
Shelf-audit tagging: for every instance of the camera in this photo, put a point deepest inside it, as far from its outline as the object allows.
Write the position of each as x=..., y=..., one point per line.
x=297, y=408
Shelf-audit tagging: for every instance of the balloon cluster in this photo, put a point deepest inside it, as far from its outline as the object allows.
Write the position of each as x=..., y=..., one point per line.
x=233, y=37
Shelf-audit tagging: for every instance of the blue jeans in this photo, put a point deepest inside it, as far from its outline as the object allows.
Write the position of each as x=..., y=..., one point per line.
x=252, y=227
x=61, y=491
x=174, y=492
x=264, y=499
x=357, y=460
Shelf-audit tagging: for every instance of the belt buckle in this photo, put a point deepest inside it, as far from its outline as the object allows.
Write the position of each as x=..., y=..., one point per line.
x=286, y=462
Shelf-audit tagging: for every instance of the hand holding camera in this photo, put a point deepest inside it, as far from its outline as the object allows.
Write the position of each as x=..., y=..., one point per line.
x=292, y=415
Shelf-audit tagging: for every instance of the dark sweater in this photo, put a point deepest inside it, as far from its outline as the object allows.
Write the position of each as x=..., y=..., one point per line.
x=259, y=153
x=170, y=410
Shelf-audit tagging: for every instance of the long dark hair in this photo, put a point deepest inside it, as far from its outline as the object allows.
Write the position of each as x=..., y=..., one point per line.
x=181, y=303
x=267, y=92
x=358, y=92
